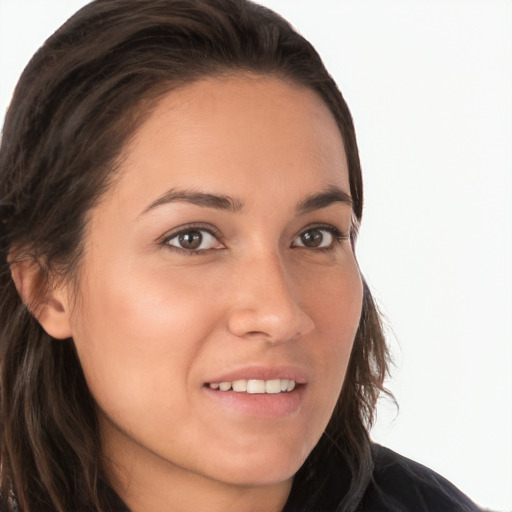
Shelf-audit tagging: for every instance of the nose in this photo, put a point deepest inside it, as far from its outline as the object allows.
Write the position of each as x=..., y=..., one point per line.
x=265, y=303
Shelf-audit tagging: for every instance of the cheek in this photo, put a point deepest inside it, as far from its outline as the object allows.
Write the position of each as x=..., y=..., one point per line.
x=335, y=303
x=137, y=337
x=334, y=299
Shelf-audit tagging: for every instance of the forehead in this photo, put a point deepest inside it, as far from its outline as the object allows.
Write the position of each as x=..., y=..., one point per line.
x=224, y=132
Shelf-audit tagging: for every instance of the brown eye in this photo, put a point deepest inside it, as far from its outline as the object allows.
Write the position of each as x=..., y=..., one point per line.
x=190, y=240
x=194, y=240
x=314, y=238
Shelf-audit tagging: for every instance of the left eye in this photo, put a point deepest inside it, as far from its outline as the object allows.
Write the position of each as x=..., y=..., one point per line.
x=194, y=240
x=315, y=238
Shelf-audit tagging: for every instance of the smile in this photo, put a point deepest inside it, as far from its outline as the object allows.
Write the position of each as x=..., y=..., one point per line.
x=255, y=386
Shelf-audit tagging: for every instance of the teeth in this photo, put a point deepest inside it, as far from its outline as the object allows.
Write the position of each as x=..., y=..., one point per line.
x=273, y=386
x=240, y=386
x=254, y=386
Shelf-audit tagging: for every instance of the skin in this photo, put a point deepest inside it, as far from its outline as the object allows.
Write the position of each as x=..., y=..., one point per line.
x=154, y=322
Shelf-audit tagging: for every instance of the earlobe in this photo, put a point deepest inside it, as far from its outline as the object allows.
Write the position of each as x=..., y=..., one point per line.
x=50, y=306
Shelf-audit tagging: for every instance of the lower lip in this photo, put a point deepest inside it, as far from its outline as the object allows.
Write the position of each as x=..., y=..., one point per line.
x=265, y=405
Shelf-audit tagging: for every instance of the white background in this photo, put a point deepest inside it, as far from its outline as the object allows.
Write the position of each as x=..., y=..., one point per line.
x=430, y=86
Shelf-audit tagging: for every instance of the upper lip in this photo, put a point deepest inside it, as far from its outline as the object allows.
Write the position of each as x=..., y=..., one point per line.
x=260, y=372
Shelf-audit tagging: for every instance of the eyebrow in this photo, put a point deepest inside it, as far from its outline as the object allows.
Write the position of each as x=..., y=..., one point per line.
x=311, y=203
x=324, y=199
x=218, y=202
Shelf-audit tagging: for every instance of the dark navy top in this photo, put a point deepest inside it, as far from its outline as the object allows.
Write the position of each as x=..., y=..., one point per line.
x=398, y=484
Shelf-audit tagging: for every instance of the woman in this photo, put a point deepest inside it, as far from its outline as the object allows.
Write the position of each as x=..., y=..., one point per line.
x=184, y=324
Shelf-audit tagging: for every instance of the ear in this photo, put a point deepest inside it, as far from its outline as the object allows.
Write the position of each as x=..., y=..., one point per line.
x=50, y=306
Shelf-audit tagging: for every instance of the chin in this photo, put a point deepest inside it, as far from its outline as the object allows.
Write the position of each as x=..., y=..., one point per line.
x=264, y=465
x=261, y=475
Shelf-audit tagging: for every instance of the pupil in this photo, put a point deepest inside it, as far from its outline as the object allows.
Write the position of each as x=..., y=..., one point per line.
x=191, y=240
x=312, y=238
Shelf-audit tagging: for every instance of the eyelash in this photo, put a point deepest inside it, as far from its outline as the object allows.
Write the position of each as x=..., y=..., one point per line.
x=187, y=229
x=338, y=237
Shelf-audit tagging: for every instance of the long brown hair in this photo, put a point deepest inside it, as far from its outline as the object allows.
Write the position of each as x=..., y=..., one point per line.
x=79, y=100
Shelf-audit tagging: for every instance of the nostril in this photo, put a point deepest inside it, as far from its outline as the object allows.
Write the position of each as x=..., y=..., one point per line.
x=270, y=327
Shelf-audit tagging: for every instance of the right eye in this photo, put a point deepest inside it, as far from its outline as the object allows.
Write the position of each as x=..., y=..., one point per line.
x=194, y=240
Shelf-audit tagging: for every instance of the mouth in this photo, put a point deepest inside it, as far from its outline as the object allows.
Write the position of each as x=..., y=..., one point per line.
x=255, y=386
x=264, y=391
x=271, y=398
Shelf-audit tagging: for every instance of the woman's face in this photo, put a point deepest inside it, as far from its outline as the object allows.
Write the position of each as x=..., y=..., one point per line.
x=218, y=259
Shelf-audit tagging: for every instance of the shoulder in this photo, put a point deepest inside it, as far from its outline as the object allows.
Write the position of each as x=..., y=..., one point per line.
x=394, y=484
x=400, y=484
